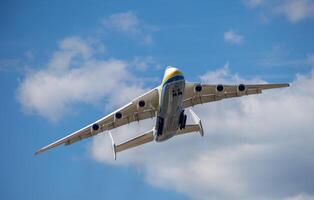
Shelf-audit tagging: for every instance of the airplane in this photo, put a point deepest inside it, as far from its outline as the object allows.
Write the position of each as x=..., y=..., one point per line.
x=167, y=103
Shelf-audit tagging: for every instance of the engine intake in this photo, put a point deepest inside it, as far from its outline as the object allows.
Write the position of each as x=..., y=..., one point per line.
x=141, y=103
x=95, y=127
x=198, y=88
x=220, y=88
x=118, y=115
x=241, y=88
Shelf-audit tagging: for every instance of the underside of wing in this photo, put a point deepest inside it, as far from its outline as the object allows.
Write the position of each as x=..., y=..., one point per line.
x=137, y=141
x=196, y=93
x=141, y=108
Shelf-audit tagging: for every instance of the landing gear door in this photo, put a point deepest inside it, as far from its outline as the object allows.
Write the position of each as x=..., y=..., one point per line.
x=159, y=125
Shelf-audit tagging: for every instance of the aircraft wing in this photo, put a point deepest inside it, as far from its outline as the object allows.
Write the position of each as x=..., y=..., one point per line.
x=142, y=107
x=196, y=93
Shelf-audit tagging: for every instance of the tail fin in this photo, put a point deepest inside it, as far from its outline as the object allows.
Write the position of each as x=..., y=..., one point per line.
x=198, y=121
x=113, y=146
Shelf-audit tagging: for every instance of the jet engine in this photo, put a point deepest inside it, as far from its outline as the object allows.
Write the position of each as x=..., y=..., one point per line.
x=241, y=89
x=95, y=128
x=198, y=88
x=220, y=88
x=117, y=116
x=141, y=104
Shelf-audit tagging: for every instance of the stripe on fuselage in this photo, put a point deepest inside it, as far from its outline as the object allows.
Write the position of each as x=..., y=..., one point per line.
x=172, y=79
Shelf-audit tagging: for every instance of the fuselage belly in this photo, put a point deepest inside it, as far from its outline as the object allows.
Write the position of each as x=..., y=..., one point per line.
x=172, y=92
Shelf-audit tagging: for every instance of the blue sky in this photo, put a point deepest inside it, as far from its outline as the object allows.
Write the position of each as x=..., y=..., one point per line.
x=64, y=65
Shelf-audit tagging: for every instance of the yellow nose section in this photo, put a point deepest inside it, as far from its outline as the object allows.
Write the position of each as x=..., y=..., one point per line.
x=169, y=73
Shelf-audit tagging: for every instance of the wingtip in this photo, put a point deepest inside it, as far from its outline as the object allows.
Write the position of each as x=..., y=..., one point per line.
x=284, y=85
x=40, y=151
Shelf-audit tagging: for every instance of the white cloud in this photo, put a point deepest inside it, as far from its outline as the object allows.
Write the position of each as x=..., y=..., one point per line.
x=129, y=24
x=256, y=147
x=223, y=75
x=301, y=197
x=126, y=22
x=233, y=37
x=75, y=75
x=294, y=10
x=143, y=63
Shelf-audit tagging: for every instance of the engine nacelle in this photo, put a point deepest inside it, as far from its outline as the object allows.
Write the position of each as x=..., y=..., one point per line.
x=241, y=89
x=118, y=116
x=220, y=88
x=141, y=105
x=95, y=128
x=198, y=88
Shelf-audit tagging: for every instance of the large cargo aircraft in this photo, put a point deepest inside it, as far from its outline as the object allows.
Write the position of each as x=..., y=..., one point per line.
x=167, y=103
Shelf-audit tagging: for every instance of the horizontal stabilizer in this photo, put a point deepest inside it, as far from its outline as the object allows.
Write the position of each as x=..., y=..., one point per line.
x=197, y=127
x=139, y=140
x=189, y=128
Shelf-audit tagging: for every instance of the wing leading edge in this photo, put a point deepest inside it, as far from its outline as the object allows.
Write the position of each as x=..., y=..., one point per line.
x=196, y=93
x=143, y=107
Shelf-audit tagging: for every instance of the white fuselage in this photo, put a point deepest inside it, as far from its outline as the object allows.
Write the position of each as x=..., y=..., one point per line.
x=168, y=117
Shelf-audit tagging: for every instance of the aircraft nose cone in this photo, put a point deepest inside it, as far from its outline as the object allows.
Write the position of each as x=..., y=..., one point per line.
x=171, y=72
x=170, y=68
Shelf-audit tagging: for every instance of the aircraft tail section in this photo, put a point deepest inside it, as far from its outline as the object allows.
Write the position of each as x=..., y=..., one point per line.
x=139, y=140
x=197, y=127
